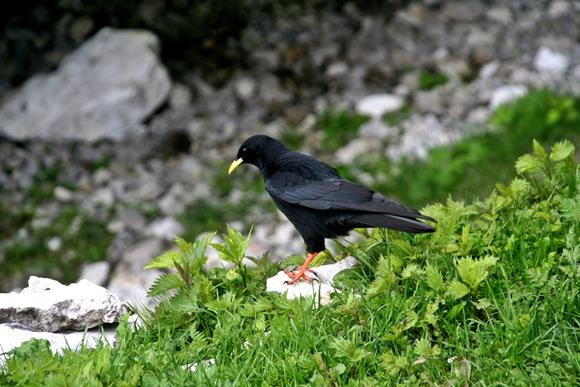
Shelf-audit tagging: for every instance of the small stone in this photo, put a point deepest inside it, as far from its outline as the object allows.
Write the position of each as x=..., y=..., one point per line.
x=337, y=70
x=97, y=272
x=489, y=70
x=62, y=194
x=104, y=197
x=180, y=96
x=245, y=87
x=501, y=15
x=164, y=228
x=54, y=243
x=379, y=104
x=48, y=305
x=550, y=62
x=558, y=8
x=506, y=94
x=352, y=150
x=320, y=289
x=376, y=129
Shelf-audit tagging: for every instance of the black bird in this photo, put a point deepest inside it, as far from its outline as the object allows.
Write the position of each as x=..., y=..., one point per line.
x=318, y=202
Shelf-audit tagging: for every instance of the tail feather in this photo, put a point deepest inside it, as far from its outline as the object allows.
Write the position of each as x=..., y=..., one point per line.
x=395, y=222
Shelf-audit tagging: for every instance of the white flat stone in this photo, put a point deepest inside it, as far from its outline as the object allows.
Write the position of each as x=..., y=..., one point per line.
x=320, y=289
x=378, y=104
x=48, y=305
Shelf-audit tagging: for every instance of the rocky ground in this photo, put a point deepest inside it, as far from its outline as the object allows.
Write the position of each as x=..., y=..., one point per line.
x=144, y=157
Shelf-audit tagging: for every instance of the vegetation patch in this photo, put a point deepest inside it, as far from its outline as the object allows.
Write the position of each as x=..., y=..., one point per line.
x=339, y=127
x=491, y=297
x=470, y=167
x=429, y=80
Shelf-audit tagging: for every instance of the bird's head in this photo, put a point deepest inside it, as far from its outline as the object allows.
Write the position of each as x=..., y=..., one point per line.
x=258, y=150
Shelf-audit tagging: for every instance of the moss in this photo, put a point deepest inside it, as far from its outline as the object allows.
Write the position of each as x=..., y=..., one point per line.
x=339, y=127
x=429, y=80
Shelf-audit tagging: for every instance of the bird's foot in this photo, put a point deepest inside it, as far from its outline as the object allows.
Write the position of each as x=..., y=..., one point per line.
x=295, y=276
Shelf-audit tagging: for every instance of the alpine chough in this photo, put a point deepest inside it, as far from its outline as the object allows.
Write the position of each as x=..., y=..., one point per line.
x=318, y=202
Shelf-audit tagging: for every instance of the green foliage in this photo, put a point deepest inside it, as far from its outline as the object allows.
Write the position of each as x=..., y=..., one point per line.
x=430, y=79
x=471, y=167
x=490, y=298
x=83, y=239
x=338, y=127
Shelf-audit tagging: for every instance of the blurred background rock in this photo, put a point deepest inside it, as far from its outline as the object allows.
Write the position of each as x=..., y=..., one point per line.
x=118, y=118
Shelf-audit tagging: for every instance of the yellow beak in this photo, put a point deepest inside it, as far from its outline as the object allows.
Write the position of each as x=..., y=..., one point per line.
x=234, y=165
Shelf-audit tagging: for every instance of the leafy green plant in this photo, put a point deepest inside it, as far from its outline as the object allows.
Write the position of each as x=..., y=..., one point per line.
x=490, y=298
x=471, y=167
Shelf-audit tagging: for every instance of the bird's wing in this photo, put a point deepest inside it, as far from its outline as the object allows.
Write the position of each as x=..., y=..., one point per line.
x=338, y=194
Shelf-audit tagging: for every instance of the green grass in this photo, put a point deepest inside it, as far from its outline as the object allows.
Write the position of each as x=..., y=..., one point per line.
x=469, y=168
x=339, y=127
x=84, y=238
x=429, y=80
x=491, y=298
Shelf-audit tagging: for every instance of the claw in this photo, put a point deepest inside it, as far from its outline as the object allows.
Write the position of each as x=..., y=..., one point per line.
x=295, y=276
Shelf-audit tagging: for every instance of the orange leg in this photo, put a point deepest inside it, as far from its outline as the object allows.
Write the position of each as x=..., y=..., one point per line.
x=301, y=273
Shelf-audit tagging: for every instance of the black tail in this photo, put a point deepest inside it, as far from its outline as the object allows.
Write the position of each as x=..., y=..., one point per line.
x=395, y=222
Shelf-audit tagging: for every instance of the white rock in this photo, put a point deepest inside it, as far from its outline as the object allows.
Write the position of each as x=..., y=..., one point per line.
x=489, y=70
x=105, y=89
x=376, y=129
x=421, y=132
x=14, y=335
x=505, y=94
x=48, y=305
x=245, y=87
x=320, y=289
x=501, y=15
x=97, y=272
x=62, y=194
x=165, y=228
x=378, y=104
x=550, y=62
x=54, y=243
x=352, y=150
x=559, y=8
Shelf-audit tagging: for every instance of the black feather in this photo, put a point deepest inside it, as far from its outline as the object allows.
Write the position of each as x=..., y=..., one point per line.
x=320, y=203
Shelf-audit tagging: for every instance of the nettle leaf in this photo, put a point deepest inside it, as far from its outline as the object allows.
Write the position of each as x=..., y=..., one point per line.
x=539, y=151
x=234, y=247
x=411, y=270
x=472, y=271
x=457, y=290
x=164, y=261
x=528, y=164
x=423, y=348
x=562, y=150
x=434, y=278
x=165, y=283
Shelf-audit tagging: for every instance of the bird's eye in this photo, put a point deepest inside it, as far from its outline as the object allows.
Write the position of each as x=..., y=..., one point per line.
x=244, y=150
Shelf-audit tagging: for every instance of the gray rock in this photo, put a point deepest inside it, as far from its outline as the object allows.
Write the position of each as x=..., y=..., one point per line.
x=164, y=228
x=62, y=194
x=132, y=287
x=47, y=305
x=105, y=89
x=420, y=134
x=550, y=62
x=559, y=8
x=97, y=272
x=501, y=15
x=505, y=94
x=352, y=150
x=377, y=129
x=379, y=104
